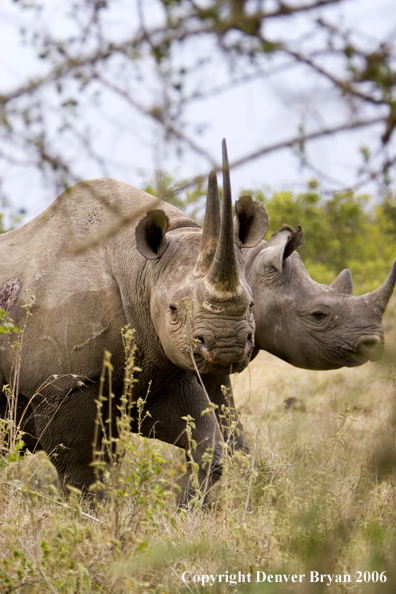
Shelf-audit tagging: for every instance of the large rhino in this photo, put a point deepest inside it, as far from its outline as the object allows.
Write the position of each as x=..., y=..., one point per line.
x=182, y=289
x=305, y=323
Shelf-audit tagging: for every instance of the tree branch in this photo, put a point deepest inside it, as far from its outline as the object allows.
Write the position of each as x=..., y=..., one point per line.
x=306, y=137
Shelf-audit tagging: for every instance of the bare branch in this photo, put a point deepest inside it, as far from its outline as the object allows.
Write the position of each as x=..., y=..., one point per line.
x=306, y=137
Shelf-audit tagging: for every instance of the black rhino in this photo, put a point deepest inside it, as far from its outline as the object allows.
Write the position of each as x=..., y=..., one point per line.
x=305, y=323
x=182, y=289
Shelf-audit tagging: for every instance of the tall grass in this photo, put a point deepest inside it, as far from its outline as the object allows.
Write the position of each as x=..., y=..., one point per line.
x=317, y=493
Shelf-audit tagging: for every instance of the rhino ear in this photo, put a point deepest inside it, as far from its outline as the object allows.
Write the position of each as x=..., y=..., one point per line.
x=294, y=242
x=343, y=283
x=150, y=234
x=282, y=245
x=250, y=221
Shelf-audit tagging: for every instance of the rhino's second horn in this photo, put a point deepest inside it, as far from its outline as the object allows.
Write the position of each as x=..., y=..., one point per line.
x=343, y=283
x=211, y=229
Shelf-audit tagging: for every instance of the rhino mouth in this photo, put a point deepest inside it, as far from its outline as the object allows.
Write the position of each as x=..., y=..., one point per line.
x=222, y=359
x=204, y=366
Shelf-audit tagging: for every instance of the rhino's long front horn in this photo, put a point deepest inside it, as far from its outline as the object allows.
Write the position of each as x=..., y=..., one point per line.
x=379, y=298
x=223, y=276
x=211, y=229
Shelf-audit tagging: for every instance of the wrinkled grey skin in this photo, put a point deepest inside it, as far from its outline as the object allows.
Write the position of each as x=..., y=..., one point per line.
x=307, y=324
x=145, y=275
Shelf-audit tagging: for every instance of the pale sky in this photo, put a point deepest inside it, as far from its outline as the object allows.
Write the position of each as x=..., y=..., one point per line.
x=264, y=111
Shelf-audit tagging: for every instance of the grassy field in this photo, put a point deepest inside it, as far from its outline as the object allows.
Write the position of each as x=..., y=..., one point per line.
x=316, y=494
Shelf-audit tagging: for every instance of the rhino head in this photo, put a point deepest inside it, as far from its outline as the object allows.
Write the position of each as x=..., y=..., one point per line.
x=201, y=306
x=308, y=324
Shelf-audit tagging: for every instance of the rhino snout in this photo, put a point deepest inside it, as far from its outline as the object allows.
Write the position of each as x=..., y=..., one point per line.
x=371, y=346
x=228, y=354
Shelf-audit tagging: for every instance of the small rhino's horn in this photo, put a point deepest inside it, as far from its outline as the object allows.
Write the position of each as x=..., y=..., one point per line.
x=211, y=228
x=379, y=298
x=223, y=275
x=343, y=283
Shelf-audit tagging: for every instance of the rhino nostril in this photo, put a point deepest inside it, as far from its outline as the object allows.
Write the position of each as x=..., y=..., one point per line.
x=249, y=338
x=371, y=347
x=371, y=344
x=199, y=340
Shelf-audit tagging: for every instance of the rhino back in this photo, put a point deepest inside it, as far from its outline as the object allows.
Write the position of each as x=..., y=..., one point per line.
x=86, y=209
x=77, y=309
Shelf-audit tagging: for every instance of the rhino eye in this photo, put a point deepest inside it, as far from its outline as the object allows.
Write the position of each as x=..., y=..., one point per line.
x=173, y=309
x=319, y=315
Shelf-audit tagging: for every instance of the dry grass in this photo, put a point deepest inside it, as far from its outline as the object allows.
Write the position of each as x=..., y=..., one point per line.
x=317, y=493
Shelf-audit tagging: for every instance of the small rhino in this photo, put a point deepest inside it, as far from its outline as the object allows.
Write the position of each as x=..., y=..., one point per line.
x=305, y=323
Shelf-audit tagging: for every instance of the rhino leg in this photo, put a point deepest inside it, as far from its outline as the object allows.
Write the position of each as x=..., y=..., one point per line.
x=231, y=427
x=65, y=429
x=184, y=396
